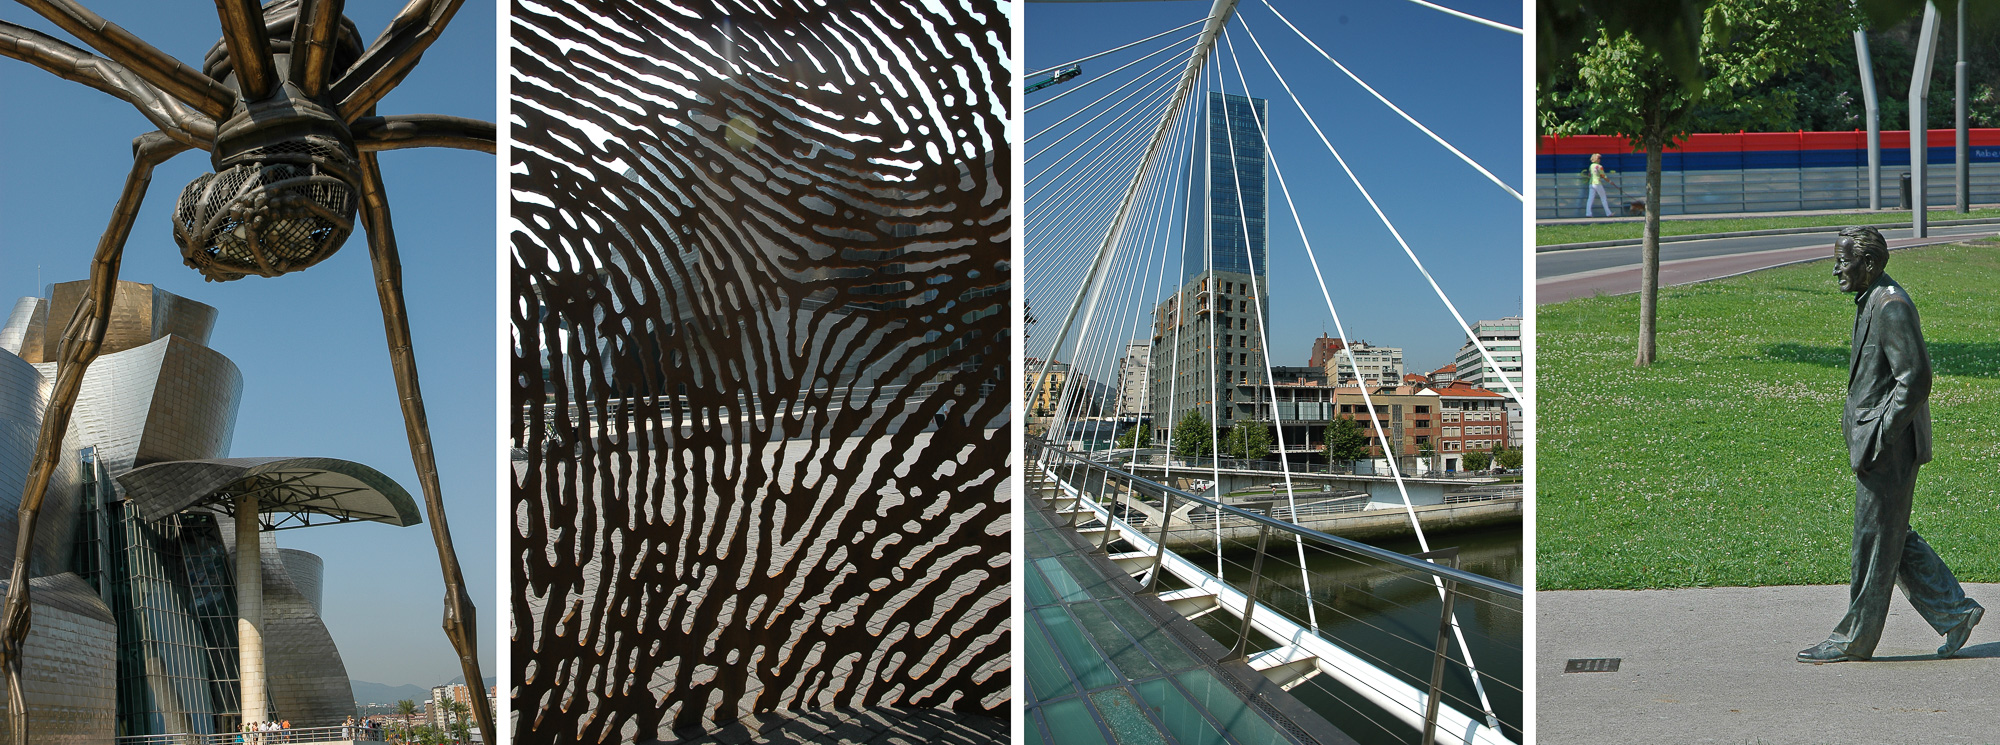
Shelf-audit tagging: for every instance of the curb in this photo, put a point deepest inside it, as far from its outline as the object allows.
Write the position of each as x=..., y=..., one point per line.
x=1751, y=233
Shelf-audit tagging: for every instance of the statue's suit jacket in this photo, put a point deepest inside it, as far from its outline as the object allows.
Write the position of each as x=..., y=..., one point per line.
x=1888, y=380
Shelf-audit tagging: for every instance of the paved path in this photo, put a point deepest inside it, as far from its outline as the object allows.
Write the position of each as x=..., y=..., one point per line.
x=1887, y=215
x=1715, y=666
x=1566, y=275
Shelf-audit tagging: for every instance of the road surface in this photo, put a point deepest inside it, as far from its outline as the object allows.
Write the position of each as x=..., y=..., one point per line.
x=1565, y=275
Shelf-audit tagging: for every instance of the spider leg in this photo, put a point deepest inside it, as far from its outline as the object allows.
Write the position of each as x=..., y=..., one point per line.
x=80, y=342
x=459, y=620
x=249, y=47
x=70, y=63
x=313, y=35
x=377, y=133
x=184, y=83
x=392, y=55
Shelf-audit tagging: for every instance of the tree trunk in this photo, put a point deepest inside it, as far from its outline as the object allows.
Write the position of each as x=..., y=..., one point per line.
x=1649, y=281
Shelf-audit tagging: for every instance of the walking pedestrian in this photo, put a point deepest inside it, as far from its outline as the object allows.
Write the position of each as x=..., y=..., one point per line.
x=1598, y=176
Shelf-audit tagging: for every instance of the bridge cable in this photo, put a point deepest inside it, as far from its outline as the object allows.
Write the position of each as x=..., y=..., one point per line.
x=1393, y=107
x=1374, y=420
x=1081, y=60
x=1523, y=401
x=1464, y=15
x=1114, y=71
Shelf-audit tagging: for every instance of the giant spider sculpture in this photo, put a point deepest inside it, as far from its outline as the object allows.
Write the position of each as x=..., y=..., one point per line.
x=284, y=105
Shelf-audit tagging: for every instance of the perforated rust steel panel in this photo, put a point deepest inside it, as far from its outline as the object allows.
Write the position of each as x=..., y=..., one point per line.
x=761, y=311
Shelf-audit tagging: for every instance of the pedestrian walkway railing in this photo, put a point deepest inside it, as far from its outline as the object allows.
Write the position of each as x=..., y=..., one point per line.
x=1409, y=646
x=1160, y=457
x=281, y=737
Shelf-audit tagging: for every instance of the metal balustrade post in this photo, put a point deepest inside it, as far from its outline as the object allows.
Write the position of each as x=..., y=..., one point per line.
x=1448, y=557
x=1250, y=595
x=1160, y=543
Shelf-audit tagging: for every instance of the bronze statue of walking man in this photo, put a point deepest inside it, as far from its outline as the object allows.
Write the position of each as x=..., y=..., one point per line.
x=1888, y=425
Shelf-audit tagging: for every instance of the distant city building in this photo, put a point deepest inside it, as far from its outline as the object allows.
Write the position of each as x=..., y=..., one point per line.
x=1444, y=376
x=1372, y=365
x=1043, y=403
x=1502, y=339
x=1196, y=332
x=134, y=571
x=1414, y=379
x=1474, y=419
x=1323, y=350
x=1132, y=380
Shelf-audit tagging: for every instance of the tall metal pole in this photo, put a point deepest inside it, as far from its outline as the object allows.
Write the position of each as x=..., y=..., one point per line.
x=1218, y=15
x=1874, y=119
x=1920, y=87
x=1958, y=100
x=250, y=610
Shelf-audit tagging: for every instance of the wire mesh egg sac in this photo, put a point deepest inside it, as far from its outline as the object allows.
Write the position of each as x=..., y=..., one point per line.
x=280, y=209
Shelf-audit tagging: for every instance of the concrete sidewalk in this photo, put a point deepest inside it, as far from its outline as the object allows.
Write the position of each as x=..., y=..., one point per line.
x=1716, y=666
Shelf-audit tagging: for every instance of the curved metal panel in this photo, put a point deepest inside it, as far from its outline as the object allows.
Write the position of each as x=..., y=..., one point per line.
x=71, y=666
x=26, y=316
x=761, y=311
x=320, y=485
x=306, y=570
x=306, y=678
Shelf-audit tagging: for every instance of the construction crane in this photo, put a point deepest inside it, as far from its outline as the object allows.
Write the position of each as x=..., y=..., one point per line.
x=1061, y=75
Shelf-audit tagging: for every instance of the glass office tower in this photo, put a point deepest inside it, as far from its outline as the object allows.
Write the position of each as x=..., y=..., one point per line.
x=1230, y=136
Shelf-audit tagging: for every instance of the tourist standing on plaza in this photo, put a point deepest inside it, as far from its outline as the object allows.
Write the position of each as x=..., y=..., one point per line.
x=1597, y=178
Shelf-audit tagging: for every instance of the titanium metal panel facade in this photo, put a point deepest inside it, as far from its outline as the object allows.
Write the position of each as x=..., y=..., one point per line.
x=27, y=316
x=135, y=628
x=68, y=664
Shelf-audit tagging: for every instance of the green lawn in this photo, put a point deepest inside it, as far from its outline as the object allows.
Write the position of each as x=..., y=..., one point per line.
x=1724, y=463
x=1548, y=235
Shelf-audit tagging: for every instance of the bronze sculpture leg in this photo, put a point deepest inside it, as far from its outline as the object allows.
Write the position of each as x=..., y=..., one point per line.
x=1887, y=553
x=81, y=340
x=459, y=619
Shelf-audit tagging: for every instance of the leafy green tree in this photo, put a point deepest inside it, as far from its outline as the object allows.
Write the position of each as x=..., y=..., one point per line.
x=459, y=729
x=1478, y=460
x=1507, y=457
x=1345, y=441
x=1139, y=436
x=1615, y=83
x=1193, y=437
x=1247, y=440
x=1426, y=451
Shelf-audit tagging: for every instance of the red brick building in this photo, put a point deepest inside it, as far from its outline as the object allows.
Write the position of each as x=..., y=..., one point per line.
x=1470, y=419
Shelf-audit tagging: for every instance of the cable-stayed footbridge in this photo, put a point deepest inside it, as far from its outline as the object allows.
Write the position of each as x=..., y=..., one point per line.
x=1178, y=178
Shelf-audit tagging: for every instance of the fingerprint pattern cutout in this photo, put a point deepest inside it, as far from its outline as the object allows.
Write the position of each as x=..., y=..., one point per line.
x=761, y=319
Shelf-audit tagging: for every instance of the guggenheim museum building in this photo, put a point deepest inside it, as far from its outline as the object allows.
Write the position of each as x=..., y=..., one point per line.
x=150, y=617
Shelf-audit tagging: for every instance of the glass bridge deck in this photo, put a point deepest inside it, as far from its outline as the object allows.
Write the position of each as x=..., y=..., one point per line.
x=1106, y=668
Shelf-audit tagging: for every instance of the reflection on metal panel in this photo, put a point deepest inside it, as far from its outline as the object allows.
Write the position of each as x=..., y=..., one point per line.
x=70, y=672
x=306, y=569
x=761, y=313
x=26, y=315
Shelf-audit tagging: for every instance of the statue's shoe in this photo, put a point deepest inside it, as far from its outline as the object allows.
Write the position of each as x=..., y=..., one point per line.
x=1826, y=652
x=1963, y=631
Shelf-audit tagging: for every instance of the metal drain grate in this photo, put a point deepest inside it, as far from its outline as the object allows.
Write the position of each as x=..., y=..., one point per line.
x=1593, y=665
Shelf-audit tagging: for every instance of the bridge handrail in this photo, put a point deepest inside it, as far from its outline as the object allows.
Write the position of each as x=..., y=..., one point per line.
x=336, y=733
x=1038, y=446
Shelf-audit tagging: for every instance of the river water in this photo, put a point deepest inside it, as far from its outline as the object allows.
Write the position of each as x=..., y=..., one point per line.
x=1391, y=619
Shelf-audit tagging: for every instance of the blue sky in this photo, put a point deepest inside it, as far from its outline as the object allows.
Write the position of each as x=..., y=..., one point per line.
x=310, y=344
x=1461, y=79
